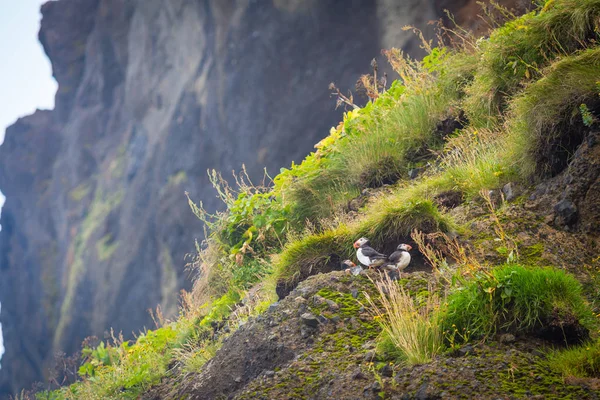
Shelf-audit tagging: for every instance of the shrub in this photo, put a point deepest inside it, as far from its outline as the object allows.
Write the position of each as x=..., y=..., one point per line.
x=542, y=301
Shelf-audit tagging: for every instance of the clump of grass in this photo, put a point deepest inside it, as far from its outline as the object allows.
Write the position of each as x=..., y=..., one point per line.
x=518, y=51
x=579, y=361
x=388, y=221
x=412, y=328
x=520, y=300
x=478, y=159
x=545, y=120
x=312, y=253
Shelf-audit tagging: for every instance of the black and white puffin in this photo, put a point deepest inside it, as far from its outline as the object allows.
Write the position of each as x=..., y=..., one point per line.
x=367, y=255
x=350, y=267
x=399, y=259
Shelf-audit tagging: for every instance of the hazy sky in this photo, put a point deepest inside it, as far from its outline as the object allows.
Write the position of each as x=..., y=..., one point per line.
x=26, y=81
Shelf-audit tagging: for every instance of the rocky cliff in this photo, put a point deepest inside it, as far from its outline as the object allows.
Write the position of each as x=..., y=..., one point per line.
x=151, y=95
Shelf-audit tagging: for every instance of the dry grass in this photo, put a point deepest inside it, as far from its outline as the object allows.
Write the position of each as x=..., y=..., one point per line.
x=413, y=328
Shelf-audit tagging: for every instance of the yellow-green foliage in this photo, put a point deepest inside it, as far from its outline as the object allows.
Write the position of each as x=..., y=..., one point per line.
x=414, y=329
x=515, y=298
x=579, y=361
x=79, y=192
x=105, y=247
x=125, y=371
x=97, y=213
x=517, y=52
x=388, y=221
x=545, y=118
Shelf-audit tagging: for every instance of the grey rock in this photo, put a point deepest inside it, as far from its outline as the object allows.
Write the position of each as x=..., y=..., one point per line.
x=358, y=374
x=310, y=320
x=300, y=300
x=386, y=371
x=425, y=392
x=333, y=306
x=370, y=356
x=511, y=191
x=466, y=350
x=565, y=213
x=506, y=338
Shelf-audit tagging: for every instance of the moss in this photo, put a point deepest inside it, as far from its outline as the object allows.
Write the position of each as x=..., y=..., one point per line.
x=81, y=191
x=105, y=247
x=177, y=179
x=97, y=213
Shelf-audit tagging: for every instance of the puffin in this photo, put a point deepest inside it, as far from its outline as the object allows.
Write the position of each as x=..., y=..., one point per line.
x=350, y=267
x=367, y=255
x=397, y=261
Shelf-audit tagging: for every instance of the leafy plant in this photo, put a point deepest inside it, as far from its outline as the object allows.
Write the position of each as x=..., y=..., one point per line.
x=586, y=115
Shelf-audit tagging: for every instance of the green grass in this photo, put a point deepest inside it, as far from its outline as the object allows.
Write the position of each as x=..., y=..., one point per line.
x=105, y=248
x=515, y=299
x=411, y=330
x=545, y=120
x=380, y=146
x=579, y=361
x=388, y=222
x=517, y=52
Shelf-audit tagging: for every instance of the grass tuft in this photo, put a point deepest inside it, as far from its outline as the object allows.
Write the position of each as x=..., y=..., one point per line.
x=410, y=326
x=520, y=300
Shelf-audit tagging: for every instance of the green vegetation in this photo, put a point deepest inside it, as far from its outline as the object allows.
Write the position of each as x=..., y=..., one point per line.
x=516, y=53
x=509, y=108
x=124, y=371
x=515, y=299
x=97, y=213
x=414, y=330
x=79, y=192
x=105, y=248
x=580, y=361
x=542, y=116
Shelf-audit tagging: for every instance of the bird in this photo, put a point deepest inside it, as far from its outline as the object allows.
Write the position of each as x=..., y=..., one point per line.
x=398, y=260
x=352, y=268
x=367, y=255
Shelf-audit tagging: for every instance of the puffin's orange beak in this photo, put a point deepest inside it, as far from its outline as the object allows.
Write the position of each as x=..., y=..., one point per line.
x=409, y=247
x=356, y=246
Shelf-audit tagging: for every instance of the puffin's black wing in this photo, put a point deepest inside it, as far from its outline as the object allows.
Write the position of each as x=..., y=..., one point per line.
x=372, y=253
x=394, y=257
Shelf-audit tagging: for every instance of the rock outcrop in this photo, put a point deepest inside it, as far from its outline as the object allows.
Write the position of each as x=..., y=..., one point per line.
x=151, y=94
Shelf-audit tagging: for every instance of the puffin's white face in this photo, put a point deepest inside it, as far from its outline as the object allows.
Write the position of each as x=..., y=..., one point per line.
x=360, y=242
x=404, y=247
x=349, y=264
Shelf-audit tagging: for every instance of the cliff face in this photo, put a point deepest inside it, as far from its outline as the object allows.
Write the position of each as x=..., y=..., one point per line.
x=151, y=94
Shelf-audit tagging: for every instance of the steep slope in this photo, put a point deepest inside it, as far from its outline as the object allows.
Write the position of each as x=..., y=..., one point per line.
x=484, y=158
x=151, y=95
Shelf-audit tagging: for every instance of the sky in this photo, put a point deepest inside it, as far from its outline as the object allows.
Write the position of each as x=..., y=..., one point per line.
x=26, y=82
